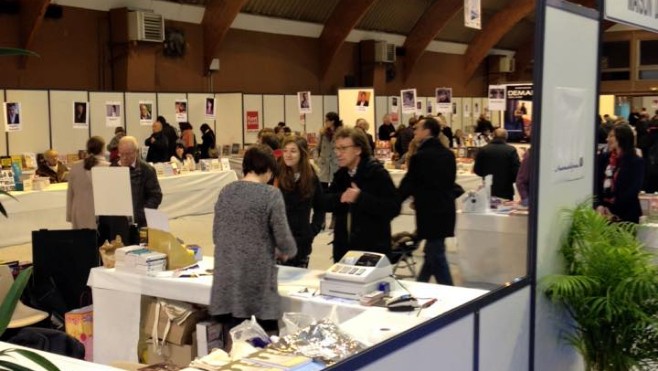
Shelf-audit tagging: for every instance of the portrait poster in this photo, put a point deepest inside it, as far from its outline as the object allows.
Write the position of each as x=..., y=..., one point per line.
x=419, y=107
x=362, y=100
x=466, y=107
x=518, y=112
x=13, y=116
x=80, y=115
x=477, y=107
x=252, y=121
x=497, y=97
x=394, y=104
x=304, y=102
x=211, y=103
x=145, y=113
x=473, y=14
x=181, y=110
x=443, y=100
x=112, y=114
x=408, y=97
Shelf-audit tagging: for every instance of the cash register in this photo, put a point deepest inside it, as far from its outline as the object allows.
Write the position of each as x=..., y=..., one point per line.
x=356, y=274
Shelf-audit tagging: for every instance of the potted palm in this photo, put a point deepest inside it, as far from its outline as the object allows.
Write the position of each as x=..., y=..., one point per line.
x=6, y=311
x=610, y=291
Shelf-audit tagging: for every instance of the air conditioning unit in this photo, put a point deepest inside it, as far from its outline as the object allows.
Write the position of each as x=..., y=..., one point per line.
x=501, y=64
x=384, y=52
x=145, y=26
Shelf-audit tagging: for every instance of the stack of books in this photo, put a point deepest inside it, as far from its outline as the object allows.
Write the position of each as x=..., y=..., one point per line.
x=137, y=259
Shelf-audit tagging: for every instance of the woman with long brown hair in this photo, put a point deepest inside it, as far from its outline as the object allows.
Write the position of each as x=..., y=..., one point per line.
x=302, y=193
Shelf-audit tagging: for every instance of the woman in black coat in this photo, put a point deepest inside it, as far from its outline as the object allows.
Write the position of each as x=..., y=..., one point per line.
x=207, y=141
x=302, y=193
x=620, y=176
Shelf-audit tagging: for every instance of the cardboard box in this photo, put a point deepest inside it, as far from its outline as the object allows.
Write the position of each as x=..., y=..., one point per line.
x=180, y=355
x=178, y=334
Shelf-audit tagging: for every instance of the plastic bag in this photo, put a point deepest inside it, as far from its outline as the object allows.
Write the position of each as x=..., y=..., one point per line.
x=251, y=332
x=294, y=322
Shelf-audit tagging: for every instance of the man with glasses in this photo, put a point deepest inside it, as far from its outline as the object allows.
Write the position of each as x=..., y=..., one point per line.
x=430, y=180
x=362, y=197
x=144, y=183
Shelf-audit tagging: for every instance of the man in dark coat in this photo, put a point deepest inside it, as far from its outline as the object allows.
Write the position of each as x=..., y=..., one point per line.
x=362, y=197
x=169, y=132
x=500, y=160
x=430, y=180
x=158, y=145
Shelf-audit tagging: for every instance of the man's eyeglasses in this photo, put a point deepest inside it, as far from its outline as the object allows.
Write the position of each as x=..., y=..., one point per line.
x=343, y=148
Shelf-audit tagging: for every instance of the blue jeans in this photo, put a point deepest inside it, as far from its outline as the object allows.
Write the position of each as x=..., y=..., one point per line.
x=436, y=263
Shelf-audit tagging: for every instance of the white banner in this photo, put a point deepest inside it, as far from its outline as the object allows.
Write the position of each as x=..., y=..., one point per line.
x=472, y=14
x=637, y=13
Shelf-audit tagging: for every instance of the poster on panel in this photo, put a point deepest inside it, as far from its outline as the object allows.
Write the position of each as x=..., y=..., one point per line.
x=496, y=97
x=252, y=122
x=13, y=116
x=145, y=112
x=394, y=109
x=419, y=107
x=428, y=109
x=80, y=115
x=477, y=107
x=472, y=14
x=568, y=134
x=210, y=108
x=466, y=107
x=363, y=101
x=518, y=112
x=443, y=100
x=304, y=102
x=181, y=110
x=408, y=97
x=112, y=114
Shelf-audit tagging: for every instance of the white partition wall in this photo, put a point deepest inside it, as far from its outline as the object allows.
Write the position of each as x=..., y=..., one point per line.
x=293, y=119
x=450, y=348
x=315, y=119
x=229, y=118
x=382, y=107
x=505, y=333
x=253, y=103
x=348, y=110
x=97, y=113
x=566, y=85
x=457, y=114
x=274, y=110
x=330, y=103
x=34, y=113
x=137, y=128
x=3, y=138
x=66, y=138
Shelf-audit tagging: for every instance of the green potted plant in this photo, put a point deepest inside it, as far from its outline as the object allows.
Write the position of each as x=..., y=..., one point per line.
x=610, y=291
x=6, y=311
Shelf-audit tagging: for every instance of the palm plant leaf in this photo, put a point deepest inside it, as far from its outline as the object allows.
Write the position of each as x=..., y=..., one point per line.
x=9, y=304
x=17, y=51
x=8, y=365
x=36, y=358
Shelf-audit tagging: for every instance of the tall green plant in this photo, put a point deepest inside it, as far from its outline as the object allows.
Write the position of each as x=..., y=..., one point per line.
x=6, y=311
x=610, y=290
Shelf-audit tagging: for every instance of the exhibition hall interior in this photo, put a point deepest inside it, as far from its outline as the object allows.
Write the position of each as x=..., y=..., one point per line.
x=311, y=184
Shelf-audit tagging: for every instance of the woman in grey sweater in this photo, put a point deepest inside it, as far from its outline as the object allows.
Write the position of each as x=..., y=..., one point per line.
x=250, y=232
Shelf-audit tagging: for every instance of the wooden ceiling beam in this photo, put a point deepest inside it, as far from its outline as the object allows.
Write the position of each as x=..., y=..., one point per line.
x=31, y=18
x=430, y=24
x=217, y=19
x=345, y=16
x=494, y=30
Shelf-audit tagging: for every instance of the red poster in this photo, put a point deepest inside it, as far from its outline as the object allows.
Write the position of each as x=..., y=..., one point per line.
x=252, y=121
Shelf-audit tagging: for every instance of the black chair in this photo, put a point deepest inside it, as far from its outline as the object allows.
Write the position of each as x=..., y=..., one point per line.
x=403, y=245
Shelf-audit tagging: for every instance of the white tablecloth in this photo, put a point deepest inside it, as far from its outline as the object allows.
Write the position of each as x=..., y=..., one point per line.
x=187, y=194
x=118, y=297
x=62, y=362
x=491, y=248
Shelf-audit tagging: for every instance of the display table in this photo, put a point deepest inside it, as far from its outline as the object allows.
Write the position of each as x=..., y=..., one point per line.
x=192, y=193
x=118, y=297
x=62, y=362
x=491, y=248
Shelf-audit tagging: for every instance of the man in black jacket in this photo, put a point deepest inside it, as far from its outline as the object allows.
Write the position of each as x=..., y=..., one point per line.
x=500, y=160
x=430, y=180
x=158, y=145
x=362, y=197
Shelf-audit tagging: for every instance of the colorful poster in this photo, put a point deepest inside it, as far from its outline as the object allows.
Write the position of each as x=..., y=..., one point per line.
x=145, y=113
x=252, y=121
x=497, y=97
x=362, y=101
x=304, y=101
x=518, y=112
x=181, y=110
x=210, y=108
x=80, y=115
x=443, y=100
x=112, y=114
x=472, y=14
x=408, y=97
x=13, y=116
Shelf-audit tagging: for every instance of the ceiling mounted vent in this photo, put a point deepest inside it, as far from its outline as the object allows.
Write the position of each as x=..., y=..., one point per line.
x=384, y=52
x=145, y=26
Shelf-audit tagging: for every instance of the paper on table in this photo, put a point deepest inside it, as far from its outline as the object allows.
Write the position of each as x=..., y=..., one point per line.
x=111, y=187
x=157, y=219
